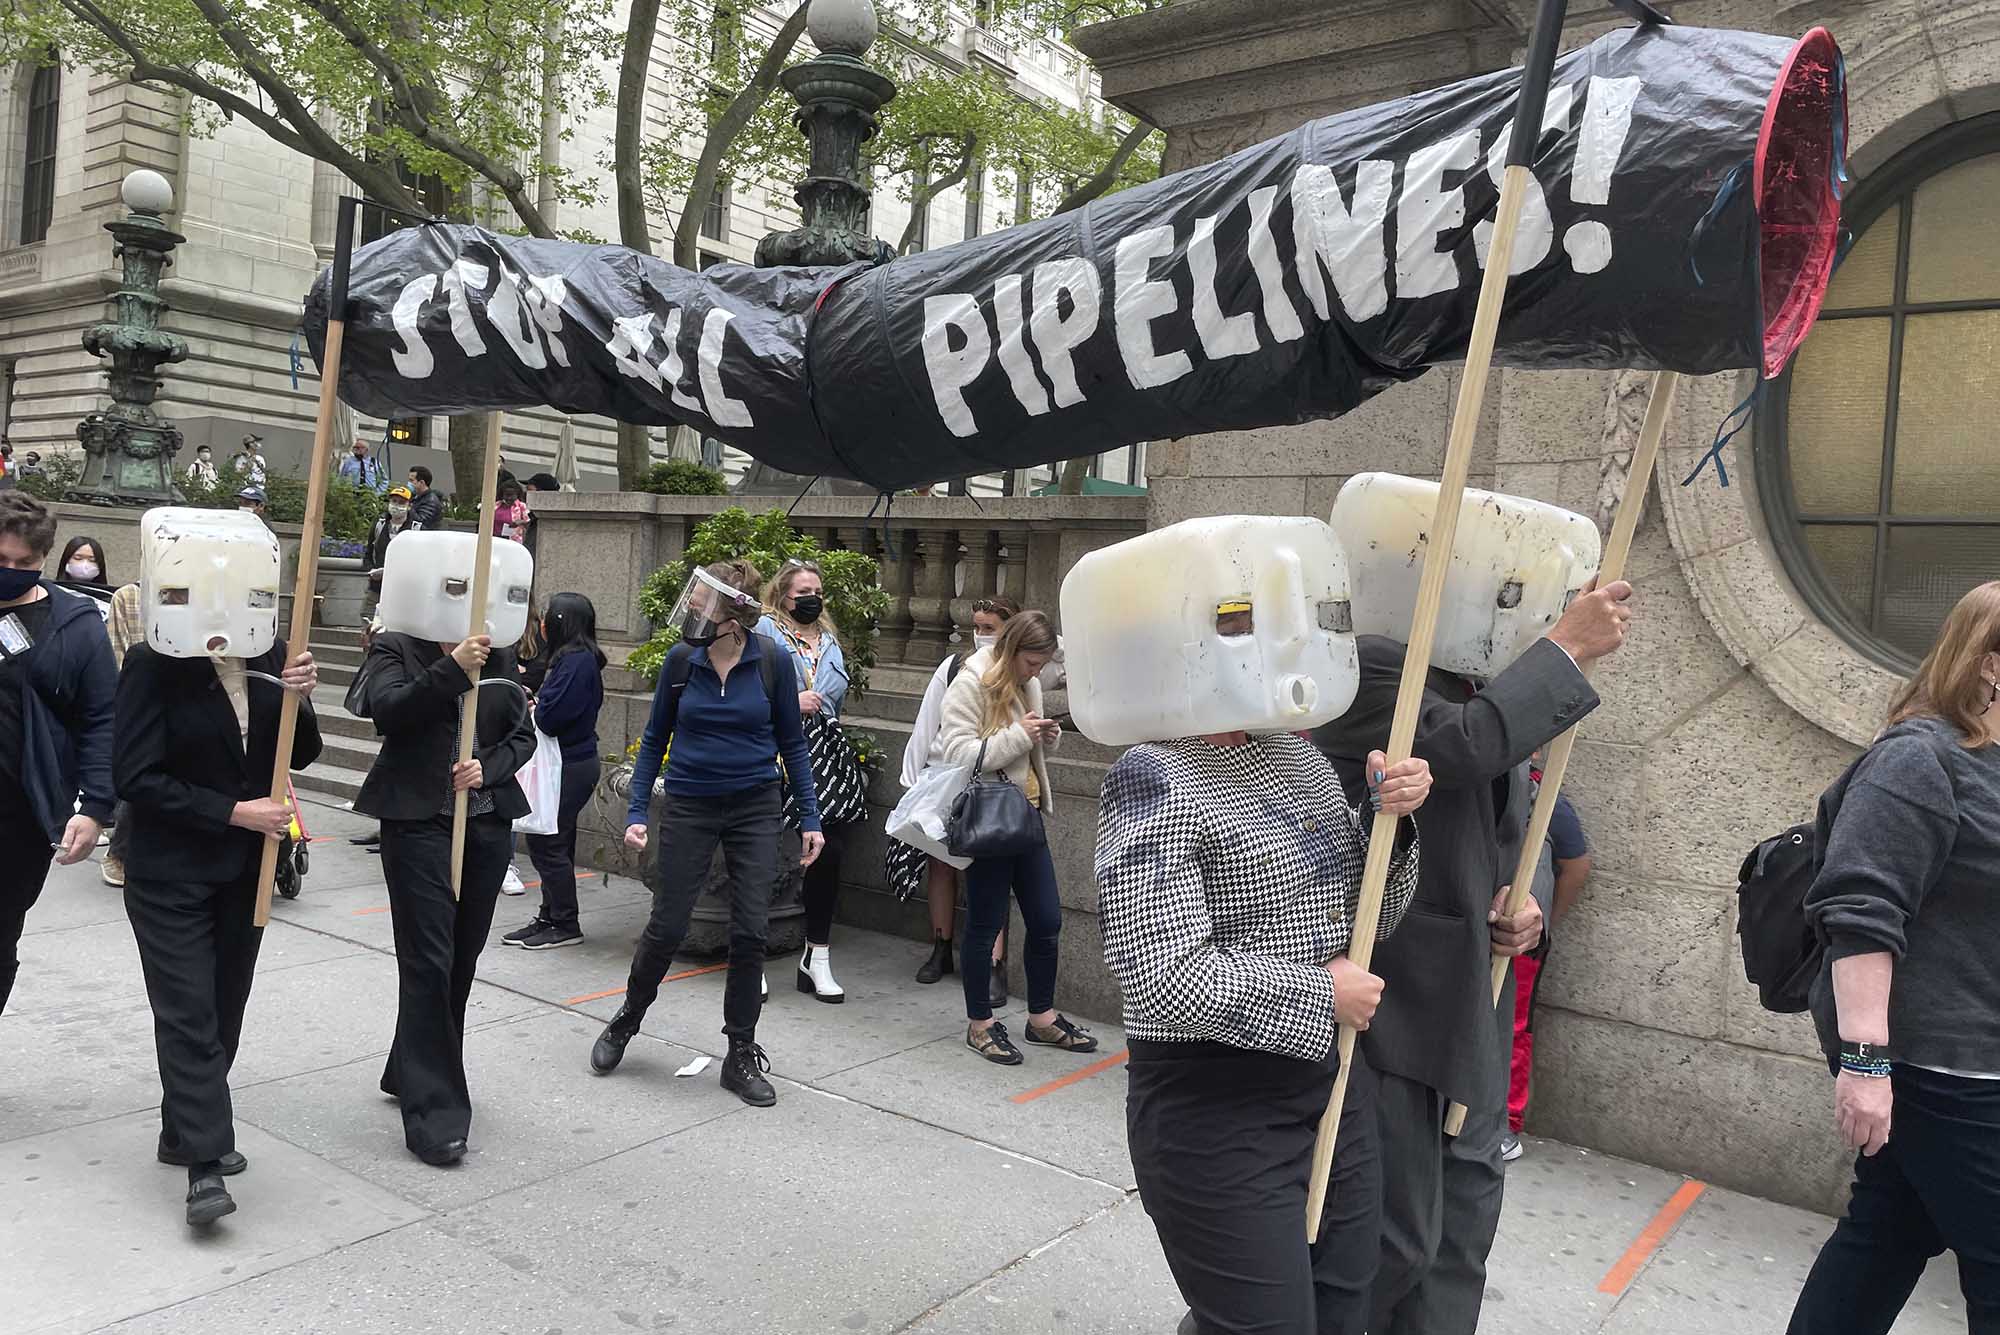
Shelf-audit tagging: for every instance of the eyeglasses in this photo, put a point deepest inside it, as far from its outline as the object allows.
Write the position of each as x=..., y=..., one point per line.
x=796, y=564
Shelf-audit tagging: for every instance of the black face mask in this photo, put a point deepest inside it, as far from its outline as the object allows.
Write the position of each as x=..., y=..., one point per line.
x=806, y=608
x=16, y=583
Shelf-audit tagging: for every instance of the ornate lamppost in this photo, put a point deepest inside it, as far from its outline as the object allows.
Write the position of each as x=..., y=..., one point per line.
x=129, y=449
x=838, y=99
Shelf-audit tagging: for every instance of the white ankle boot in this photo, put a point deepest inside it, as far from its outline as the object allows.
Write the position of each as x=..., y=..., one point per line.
x=816, y=976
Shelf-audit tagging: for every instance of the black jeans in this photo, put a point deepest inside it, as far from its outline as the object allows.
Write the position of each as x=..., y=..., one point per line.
x=24, y=869
x=554, y=855
x=1222, y=1142
x=1936, y=1184
x=822, y=887
x=746, y=827
x=198, y=947
x=438, y=941
x=1032, y=878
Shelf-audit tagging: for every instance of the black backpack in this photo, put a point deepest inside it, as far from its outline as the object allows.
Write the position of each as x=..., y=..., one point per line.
x=1781, y=953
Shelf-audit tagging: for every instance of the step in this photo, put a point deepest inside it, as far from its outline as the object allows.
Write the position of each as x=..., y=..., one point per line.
x=330, y=781
x=335, y=721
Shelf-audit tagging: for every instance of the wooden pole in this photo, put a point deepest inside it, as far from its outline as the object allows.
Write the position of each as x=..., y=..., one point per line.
x=1617, y=551
x=1438, y=548
x=300, y=632
x=482, y=578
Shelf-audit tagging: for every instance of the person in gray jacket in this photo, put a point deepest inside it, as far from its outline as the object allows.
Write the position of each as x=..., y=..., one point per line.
x=1907, y=1003
x=1438, y=1037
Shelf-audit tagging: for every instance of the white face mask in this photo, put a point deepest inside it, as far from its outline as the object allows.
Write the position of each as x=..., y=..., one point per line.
x=83, y=570
x=984, y=641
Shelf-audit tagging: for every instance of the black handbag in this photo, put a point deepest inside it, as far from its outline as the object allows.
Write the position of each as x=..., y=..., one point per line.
x=838, y=783
x=356, y=701
x=992, y=818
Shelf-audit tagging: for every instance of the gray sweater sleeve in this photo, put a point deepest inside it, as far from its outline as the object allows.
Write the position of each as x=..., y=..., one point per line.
x=1890, y=840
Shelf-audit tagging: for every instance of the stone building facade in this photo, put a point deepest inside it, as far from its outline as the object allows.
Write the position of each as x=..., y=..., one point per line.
x=259, y=222
x=1774, y=617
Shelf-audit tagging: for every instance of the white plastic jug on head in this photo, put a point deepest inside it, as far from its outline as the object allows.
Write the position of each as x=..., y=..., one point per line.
x=427, y=587
x=1212, y=625
x=1515, y=566
x=208, y=582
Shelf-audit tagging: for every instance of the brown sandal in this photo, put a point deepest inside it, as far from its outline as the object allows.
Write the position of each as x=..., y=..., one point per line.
x=993, y=1044
x=1062, y=1034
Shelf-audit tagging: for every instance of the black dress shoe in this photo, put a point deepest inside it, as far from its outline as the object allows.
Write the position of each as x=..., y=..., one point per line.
x=443, y=1156
x=609, y=1049
x=743, y=1074
x=366, y=840
x=229, y=1165
x=207, y=1199
x=939, y=964
x=996, y=984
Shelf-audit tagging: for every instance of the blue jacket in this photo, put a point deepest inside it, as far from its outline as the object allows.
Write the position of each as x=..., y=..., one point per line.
x=726, y=736
x=66, y=715
x=566, y=705
x=831, y=678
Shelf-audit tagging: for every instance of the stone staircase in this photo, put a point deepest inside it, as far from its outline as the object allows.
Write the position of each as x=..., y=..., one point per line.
x=348, y=744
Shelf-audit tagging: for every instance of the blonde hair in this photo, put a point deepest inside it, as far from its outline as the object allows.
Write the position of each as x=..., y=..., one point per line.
x=1949, y=684
x=1024, y=633
x=780, y=588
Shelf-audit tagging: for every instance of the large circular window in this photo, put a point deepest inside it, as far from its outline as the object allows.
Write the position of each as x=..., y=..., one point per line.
x=1879, y=450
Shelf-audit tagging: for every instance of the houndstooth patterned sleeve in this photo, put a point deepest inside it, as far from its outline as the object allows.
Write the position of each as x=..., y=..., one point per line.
x=1159, y=938
x=1402, y=885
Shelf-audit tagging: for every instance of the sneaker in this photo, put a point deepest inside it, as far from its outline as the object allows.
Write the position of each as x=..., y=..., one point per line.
x=993, y=1044
x=1510, y=1148
x=1062, y=1034
x=511, y=885
x=536, y=926
x=113, y=871
x=552, y=936
x=743, y=1074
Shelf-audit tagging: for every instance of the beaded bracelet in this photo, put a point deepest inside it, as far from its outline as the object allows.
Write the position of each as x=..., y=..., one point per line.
x=1875, y=1068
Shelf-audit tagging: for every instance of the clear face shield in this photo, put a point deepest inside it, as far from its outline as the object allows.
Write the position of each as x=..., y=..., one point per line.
x=706, y=606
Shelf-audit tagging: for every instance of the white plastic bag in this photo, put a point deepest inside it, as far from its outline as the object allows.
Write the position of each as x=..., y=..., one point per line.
x=541, y=780
x=920, y=818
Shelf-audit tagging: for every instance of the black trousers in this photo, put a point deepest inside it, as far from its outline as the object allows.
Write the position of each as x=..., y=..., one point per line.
x=554, y=855
x=198, y=948
x=1031, y=877
x=822, y=886
x=746, y=827
x=1222, y=1142
x=1935, y=1185
x=438, y=941
x=24, y=869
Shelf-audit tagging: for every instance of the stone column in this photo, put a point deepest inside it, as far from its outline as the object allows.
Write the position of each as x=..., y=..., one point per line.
x=977, y=581
x=897, y=575
x=930, y=608
x=1013, y=542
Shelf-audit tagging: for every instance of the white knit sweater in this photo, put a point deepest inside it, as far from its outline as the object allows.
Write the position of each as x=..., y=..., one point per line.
x=1008, y=750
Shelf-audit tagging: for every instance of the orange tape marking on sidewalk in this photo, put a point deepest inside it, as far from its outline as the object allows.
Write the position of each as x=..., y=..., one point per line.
x=1649, y=1240
x=536, y=885
x=670, y=978
x=362, y=913
x=1105, y=1064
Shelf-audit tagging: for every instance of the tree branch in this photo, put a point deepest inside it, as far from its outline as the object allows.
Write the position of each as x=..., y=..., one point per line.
x=926, y=191
x=1107, y=175
x=734, y=117
x=633, y=228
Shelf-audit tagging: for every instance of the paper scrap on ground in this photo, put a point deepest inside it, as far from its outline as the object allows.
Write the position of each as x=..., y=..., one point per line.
x=695, y=1067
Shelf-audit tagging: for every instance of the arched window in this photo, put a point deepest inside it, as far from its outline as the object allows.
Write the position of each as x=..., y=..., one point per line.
x=38, y=166
x=1879, y=451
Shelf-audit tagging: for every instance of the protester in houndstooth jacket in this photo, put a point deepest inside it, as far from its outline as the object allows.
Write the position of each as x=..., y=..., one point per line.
x=1227, y=877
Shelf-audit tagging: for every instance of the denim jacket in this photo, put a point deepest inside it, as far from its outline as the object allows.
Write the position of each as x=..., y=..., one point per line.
x=829, y=677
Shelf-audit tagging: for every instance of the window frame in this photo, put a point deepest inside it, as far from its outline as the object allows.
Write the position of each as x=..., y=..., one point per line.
x=41, y=110
x=1892, y=187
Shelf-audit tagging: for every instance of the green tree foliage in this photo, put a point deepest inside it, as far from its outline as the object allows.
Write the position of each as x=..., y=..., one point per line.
x=854, y=596
x=683, y=477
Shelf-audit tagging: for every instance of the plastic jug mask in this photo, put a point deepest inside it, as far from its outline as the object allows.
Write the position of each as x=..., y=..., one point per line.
x=427, y=587
x=208, y=582
x=1239, y=623
x=1516, y=565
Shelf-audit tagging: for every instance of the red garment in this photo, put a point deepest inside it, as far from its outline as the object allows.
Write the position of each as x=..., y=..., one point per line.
x=1526, y=969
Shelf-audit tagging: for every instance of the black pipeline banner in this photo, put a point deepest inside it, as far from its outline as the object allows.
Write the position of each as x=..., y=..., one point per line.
x=1684, y=219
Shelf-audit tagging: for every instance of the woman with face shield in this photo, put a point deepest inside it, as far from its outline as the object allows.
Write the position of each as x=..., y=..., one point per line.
x=194, y=744
x=725, y=710
x=992, y=723
x=1228, y=867
x=938, y=879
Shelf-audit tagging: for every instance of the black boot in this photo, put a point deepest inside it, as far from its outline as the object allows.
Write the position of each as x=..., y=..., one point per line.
x=939, y=964
x=743, y=1074
x=207, y=1199
x=996, y=985
x=609, y=1049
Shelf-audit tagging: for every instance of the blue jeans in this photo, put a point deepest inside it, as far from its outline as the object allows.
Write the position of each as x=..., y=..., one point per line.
x=1032, y=878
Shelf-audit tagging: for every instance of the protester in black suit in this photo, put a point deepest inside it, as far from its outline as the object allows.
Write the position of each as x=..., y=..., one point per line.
x=1438, y=1037
x=415, y=692
x=195, y=741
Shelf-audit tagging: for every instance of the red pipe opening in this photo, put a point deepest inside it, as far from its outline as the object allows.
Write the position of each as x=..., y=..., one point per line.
x=1800, y=171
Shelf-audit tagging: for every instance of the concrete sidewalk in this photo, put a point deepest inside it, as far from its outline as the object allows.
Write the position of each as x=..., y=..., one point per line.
x=899, y=1185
